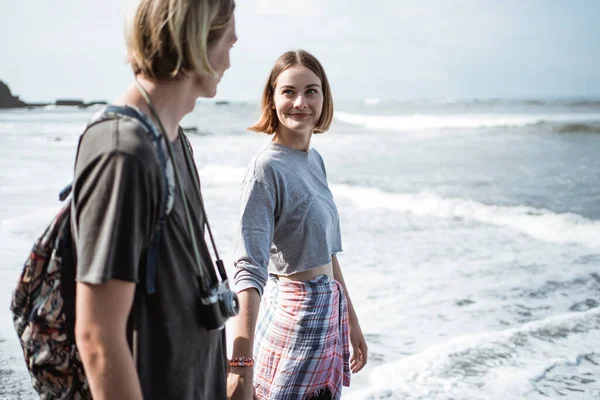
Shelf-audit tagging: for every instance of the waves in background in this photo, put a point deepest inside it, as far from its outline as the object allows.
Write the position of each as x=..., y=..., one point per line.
x=471, y=232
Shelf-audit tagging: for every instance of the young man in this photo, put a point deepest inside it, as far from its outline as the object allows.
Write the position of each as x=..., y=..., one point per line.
x=178, y=51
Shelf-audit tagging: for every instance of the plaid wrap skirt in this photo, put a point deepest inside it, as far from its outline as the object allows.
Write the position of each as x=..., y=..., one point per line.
x=301, y=344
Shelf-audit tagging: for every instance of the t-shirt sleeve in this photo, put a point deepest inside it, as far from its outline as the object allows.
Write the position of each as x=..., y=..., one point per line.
x=254, y=236
x=115, y=207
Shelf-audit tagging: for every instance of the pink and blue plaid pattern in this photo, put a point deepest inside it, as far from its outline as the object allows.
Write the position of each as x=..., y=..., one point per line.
x=301, y=344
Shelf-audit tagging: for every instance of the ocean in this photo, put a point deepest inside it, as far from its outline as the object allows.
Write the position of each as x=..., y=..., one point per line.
x=471, y=234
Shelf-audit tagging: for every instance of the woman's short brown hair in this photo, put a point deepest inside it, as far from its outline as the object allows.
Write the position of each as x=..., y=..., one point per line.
x=168, y=37
x=268, y=121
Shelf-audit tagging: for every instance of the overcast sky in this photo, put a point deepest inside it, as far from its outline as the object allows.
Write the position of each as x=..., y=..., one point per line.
x=388, y=49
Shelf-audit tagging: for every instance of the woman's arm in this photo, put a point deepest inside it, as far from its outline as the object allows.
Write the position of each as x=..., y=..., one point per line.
x=239, y=382
x=245, y=323
x=101, y=336
x=357, y=339
x=252, y=253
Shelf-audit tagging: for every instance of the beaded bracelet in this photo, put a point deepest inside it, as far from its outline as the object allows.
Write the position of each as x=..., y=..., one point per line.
x=241, y=362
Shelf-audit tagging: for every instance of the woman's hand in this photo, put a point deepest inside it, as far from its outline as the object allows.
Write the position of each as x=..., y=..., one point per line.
x=239, y=384
x=359, y=347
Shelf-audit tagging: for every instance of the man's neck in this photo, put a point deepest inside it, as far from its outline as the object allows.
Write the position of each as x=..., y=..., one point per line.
x=171, y=99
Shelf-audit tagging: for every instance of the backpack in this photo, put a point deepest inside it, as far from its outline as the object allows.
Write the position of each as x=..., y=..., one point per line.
x=43, y=303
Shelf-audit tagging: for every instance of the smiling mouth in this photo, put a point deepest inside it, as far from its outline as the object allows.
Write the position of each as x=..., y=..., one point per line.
x=299, y=115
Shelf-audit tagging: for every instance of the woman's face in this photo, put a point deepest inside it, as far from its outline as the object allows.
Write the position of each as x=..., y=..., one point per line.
x=218, y=56
x=298, y=101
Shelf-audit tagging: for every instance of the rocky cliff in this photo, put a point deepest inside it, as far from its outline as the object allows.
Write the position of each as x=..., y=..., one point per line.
x=7, y=100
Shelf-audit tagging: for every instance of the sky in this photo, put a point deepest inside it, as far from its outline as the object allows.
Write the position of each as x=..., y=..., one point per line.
x=386, y=49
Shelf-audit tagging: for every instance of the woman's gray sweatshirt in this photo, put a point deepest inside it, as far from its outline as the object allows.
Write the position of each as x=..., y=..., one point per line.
x=289, y=222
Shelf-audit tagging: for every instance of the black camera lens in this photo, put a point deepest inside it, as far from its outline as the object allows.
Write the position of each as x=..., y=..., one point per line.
x=230, y=303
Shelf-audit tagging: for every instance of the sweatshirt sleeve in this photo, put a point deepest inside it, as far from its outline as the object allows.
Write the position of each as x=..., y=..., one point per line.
x=254, y=236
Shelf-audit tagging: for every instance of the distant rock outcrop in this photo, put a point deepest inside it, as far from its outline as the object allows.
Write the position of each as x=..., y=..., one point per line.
x=70, y=102
x=7, y=100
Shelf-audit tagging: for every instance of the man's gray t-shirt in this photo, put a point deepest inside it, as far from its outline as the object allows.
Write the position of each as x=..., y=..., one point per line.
x=117, y=194
x=289, y=221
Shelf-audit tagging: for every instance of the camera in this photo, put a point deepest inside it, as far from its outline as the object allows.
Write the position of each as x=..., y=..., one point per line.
x=217, y=305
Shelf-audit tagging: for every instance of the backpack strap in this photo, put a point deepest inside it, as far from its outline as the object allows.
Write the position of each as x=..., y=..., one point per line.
x=110, y=112
x=168, y=186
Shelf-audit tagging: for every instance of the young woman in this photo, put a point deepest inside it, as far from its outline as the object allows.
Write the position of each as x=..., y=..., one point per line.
x=286, y=249
x=178, y=50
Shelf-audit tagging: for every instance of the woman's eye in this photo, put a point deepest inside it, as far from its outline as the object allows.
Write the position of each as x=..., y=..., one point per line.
x=287, y=91
x=312, y=91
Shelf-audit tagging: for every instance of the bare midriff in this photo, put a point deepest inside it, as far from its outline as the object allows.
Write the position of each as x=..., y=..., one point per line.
x=326, y=269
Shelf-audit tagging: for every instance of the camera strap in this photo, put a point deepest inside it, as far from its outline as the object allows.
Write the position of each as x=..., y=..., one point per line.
x=188, y=158
x=203, y=279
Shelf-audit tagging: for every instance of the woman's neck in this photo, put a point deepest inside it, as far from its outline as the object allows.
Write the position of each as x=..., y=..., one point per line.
x=295, y=140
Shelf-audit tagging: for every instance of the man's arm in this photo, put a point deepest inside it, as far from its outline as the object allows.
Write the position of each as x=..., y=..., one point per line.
x=101, y=336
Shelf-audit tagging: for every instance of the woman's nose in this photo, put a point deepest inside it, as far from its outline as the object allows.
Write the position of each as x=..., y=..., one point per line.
x=300, y=101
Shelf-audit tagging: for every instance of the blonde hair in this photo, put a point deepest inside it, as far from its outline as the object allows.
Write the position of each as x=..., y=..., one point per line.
x=166, y=38
x=268, y=121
